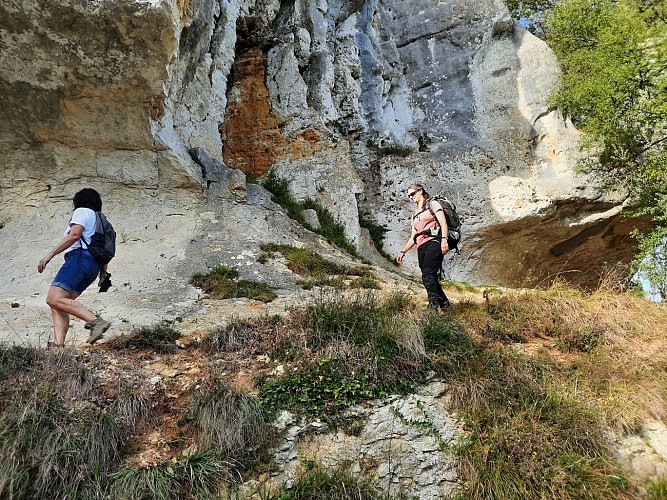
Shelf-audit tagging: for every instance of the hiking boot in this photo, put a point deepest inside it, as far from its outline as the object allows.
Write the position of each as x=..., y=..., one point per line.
x=97, y=327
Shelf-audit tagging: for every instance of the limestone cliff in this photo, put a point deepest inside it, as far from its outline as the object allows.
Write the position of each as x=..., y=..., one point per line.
x=118, y=94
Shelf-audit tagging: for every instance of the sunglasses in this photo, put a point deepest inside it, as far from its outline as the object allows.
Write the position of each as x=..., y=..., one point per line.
x=410, y=195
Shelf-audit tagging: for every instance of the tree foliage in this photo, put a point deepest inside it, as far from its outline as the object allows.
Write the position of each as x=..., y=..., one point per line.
x=613, y=56
x=531, y=13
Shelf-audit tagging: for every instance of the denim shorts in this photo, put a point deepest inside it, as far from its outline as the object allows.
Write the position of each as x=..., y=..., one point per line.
x=78, y=272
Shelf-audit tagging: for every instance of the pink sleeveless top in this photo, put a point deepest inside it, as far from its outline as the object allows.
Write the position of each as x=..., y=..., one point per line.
x=424, y=221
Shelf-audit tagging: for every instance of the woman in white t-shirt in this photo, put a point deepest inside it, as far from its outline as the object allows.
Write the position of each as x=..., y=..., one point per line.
x=77, y=273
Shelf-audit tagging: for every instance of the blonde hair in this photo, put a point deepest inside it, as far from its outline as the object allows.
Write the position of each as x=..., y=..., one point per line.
x=418, y=187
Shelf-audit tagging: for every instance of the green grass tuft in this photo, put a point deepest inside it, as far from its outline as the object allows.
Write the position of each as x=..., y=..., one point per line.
x=232, y=423
x=223, y=283
x=330, y=228
x=337, y=483
x=377, y=233
x=306, y=262
x=199, y=475
x=54, y=442
x=158, y=338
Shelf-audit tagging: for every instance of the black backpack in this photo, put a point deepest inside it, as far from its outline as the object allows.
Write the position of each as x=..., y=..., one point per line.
x=453, y=221
x=102, y=245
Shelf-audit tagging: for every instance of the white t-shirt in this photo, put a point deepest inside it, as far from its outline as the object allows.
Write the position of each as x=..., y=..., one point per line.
x=84, y=217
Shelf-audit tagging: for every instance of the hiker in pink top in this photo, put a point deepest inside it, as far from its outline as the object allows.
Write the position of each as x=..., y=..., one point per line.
x=428, y=226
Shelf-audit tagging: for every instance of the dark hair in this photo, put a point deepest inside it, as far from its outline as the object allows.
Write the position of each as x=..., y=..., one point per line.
x=88, y=198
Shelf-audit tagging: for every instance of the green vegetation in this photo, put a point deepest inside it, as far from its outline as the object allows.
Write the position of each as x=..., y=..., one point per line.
x=377, y=233
x=536, y=425
x=233, y=424
x=390, y=150
x=318, y=270
x=198, y=475
x=222, y=283
x=330, y=228
x=461, y=286
x=318, y=482
x=367, y=282
x=55, y=442
x=366, y=358
x=236, y=334
x=613, y=54
x=535, y=422
x=657, y=490
x=158, y=338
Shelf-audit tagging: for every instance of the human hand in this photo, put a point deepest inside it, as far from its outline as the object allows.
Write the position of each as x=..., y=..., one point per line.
x=399, y=257
x=41, y=265
x=444, y=247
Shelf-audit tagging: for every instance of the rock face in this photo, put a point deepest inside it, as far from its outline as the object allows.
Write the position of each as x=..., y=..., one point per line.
x=401, y=442
x=643, y=454
x=350, y=100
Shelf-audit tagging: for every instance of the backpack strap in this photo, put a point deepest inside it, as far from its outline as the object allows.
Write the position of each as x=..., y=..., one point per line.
x=425, y=233
x=97, y=221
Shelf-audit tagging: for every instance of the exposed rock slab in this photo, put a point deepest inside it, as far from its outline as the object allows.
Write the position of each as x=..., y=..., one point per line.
x=403, y=444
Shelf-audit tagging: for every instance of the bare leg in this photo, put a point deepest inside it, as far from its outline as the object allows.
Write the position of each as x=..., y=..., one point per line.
x=62, y=304
x=60, y=326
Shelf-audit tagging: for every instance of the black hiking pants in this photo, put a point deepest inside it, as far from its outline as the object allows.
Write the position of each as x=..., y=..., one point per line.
x=430, y=262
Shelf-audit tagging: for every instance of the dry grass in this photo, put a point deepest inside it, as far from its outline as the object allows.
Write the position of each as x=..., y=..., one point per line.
x=613, y=344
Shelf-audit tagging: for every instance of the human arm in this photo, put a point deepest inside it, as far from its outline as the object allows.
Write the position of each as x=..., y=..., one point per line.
x=408, y=245
x=76, y=230
x=440, y=217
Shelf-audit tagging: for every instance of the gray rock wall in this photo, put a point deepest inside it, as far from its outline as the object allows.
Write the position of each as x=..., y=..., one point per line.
x=113, y=94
